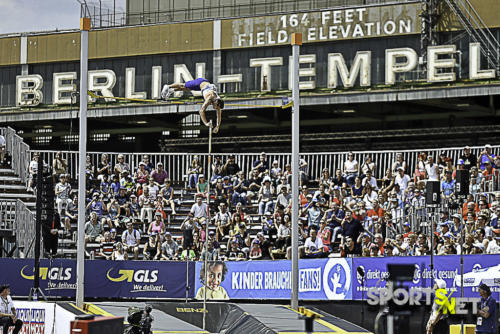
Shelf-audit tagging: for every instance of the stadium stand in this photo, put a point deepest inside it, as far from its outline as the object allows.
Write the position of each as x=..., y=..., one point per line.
x=151, y=206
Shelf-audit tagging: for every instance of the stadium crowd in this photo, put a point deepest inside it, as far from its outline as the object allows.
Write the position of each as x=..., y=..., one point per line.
x=345, y=212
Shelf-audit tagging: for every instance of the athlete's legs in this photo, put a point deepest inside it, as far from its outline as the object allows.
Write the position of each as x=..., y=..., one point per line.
x=178, y=86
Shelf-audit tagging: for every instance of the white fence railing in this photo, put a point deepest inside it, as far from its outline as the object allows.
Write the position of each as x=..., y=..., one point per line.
x=25, y=229
x=19, y=151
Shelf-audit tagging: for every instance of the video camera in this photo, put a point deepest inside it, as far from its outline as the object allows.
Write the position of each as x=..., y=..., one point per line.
x=140, y=321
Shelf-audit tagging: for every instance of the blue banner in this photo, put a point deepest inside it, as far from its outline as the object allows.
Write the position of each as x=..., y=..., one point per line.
x=319, y=279
x=107, y=279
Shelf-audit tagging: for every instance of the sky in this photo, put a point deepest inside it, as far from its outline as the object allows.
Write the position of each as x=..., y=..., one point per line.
x=41, y=15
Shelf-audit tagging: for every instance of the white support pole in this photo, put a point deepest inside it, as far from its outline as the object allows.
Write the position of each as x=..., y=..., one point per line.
x=296, y=42
x=80, y=257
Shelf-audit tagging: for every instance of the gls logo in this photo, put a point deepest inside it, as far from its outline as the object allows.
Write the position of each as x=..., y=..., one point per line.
x=138, y=276
x=60, y=274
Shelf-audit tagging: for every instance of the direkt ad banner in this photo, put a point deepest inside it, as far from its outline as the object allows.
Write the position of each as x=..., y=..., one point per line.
x=319, y=279
x=477, y=269
x=156, y=279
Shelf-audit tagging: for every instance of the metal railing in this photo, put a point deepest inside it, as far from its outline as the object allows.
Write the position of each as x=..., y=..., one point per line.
x=177, y=164
x=25, y=229
x=19, y=151
x=7, y=215
x=104, y=17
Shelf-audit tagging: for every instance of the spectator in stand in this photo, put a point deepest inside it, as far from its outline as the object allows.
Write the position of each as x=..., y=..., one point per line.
x=314, y=214
x=228, y=189
x=105, y=188
x=494, y=246
x=115, y=185
x=265, y=246
x=357, y=190
x=93, y=229
x=159, y=175
x=283, y=198
x=168, y=194
x=33, y=170
x=193, y=171
x=303, y=174
x=261, y=165
x=369, y=179
x=469, y=159
x=476, y=180
x=432, y=169
x=149, y=165
x=211, y=253
x=141, y=175
x=62, y=192
x=350, y=169
x=89, y=167
x=255, y=250
x=70, y=214
x=152, y=249
x=448, y=186
x=399, y=163
x=275, y=172
x=234, y=253
x=255, y=182
x=119, y=254
x=59, y=167
x=112, y=218
x=202, y=186
x=231, y=167
x=489, y=175
x=333, y=218
x=107, y=246
x=325, y=234
x=217, y=169
x=121, y=166
x=388, y=181
x=325, y=179
x=240, y=187
x=131, y=238
x=338, y=181
x=402, y=179
x=348, y=247
x=199, y=211
x=284, y=234
x=223, y=222
x=146, y=203
x=127, y=183
x=322, y=197
x=96, y=205
x=103, y=167
x=486, y=155
x=2, y=149
x=169, y=248
x=266, y=194
x=157, y=226
x=449, y=166
x=420, y=173
x=369, y=195
x=351, y=227
x=123, y=201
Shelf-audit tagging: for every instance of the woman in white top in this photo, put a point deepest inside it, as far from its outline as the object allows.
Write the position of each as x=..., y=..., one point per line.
x=368, y=166
x=350, y=169
x=119, y=254
x=432, y=170
x=370, y=195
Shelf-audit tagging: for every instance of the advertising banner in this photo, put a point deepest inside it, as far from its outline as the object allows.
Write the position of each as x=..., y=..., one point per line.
x=319, y=279
x=156, y=279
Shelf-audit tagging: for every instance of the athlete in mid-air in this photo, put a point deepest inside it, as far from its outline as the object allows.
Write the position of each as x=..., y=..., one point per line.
x=208, y=91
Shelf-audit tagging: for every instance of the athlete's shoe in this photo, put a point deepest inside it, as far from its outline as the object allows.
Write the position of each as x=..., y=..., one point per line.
x=166, y=92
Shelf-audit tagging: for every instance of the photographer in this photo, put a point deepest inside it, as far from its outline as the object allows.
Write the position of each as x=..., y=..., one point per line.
x=8, y=316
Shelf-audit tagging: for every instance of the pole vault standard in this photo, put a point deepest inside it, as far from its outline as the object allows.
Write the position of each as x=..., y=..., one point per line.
x=207, y=221
x=84, y=57
x=296, y=43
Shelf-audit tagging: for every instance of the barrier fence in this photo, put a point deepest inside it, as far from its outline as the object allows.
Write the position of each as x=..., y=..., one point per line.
x=20, y=152
x=25, y=229
x=319, y=279
x=177, y=164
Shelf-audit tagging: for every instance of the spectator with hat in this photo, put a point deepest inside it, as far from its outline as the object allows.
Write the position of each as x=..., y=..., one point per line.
x=217, y=169
x=485, y=156
x=265, y=197
x=456, y=227
x=169, y=248
x=8, y=314
x=121, y=166
x=255, y=250
x=141, y=175
x=494, y=245
x=230, y=168
x=202, y=186
x=159, y=175
x=275, y=171
x=488, y=311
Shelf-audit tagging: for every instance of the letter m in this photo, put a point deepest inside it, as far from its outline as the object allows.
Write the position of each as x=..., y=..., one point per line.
x=361, y=66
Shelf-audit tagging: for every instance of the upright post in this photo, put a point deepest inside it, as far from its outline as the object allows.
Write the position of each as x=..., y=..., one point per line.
x=296, y=43
x=205, y=264
x=80, y=257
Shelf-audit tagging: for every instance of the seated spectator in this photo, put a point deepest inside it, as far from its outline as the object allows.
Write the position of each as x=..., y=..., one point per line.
x=255, y=181
x=325, y=234
x=350, y=169
x=399, y=163
x=369, y=195
x=265, y=246
x=141, y=176
x=187, y=227
x=169, y=248
x=476, y=181
x=470, y=160
x=62, y=192
x=351, y=227
x=93, y=229
x=157, y=225
x=146, y=204
x=202, y=186
x=193, y=171
x=303, y=174
x=275, y=171
x=432, y=169
x=234, y=253
x=105, y=188
x=222, y=221
x=448, y=186
x=255, y=250
x=135, y=208
x=228, y=189
x=357, y=190
x=89, y=168
x=230, y=168
x=121, y=166
x=69, y=213
x=33, y=170
x=153, y=189
x=112, y=218
x=322, y=197
x=313, y=247
x=59, y=167
x=485, y=156
x=314, y=214
x=261, y=165
x=494, y=246
x=283, y=198
x=333, y=218
x=131, y=238
x=368, y=166
x=241, y=187
x=349, y=248
x=265, y=197
x=159, y=175
x=211, y=253
x=152, y=250
x=284, y=234
x=199, y=210
x=115, y=185
x=149, y=165
x=2, y=149
x=189, y=254
x=103, y=168
x=123, y=201
x=339, y=180
x=217, y=169
x=369, y=179
x=402, y=179
x=168, y=194
x=107, y=246
x=119, y=254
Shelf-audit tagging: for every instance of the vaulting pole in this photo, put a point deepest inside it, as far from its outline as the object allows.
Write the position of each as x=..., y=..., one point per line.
x=209, y=176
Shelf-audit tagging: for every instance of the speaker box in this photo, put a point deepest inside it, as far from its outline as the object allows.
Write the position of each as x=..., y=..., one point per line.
x=433, y=193
x=462, y=182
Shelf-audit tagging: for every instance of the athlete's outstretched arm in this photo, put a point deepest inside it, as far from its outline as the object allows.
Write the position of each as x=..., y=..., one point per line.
x=219, y=119
x=202, y=112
